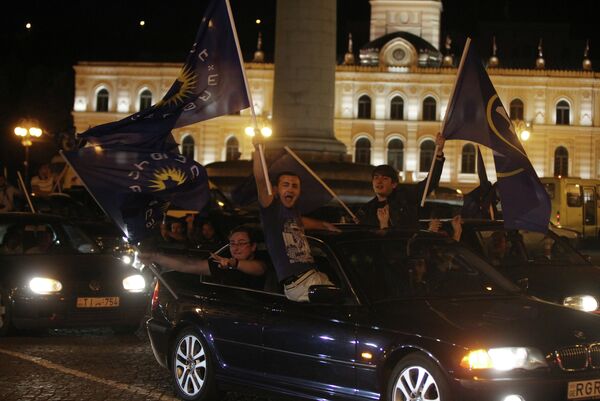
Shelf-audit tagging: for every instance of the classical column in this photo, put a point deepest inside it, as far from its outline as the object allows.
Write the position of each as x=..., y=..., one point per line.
x=303, y=98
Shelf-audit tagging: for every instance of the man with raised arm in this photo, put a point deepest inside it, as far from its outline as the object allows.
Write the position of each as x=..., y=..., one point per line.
x=283, y=228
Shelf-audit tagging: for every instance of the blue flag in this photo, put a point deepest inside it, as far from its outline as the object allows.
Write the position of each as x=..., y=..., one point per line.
x=211, y=83
x=476, y=114
x=481, y=201
x=312, y=194
x=135, y=188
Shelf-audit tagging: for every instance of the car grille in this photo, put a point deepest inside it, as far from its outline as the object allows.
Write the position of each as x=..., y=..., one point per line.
x=578, y=357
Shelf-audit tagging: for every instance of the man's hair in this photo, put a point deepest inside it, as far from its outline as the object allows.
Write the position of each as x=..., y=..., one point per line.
x=251, y=232
x=387, y=171
x=281, y=174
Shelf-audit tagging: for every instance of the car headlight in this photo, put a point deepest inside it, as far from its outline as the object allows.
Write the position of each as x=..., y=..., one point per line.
x=134, y=283
x=126, y=259
x=43, y=285
x=586, y=303
x=506, y=358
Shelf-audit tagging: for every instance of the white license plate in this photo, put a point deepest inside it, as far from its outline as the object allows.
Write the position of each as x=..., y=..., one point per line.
x=584, y=390
x=98, y=302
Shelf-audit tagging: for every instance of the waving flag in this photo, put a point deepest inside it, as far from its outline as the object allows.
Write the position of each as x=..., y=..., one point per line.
x=476, y=114
x=211, y=83
x=481, y=201
x=135, y=188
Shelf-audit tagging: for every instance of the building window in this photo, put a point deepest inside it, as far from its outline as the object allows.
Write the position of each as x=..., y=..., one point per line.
x=397, y=108
x=467, y=165
x=102, y=100
x=562, y=113
x=187, y=147
x=362, y=152
x=561, y=162
x=145, y=99
x=232, y=149
x=364, y=107
x=395, y=154
x=516, y=109
x=429, y=109
x=426, y=155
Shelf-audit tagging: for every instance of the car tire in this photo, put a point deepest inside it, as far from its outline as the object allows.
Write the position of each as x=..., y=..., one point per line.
x=193, y=367
x=5, y=314
x=417, y=377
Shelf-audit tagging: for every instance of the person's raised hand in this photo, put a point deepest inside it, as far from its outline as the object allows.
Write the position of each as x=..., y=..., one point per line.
x=439, y=142
x=383, y=215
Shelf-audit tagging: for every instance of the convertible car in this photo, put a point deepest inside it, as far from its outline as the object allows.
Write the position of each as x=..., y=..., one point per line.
x=411, y=316
x=53, y=276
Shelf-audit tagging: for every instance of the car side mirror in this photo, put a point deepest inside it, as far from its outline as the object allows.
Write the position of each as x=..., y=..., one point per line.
x=325, y=294
x=523, y=283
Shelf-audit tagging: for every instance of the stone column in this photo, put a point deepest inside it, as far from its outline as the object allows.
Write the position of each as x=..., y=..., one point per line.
x=304, y=83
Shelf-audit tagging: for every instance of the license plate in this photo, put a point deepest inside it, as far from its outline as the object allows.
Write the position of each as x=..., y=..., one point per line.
x=98, y=302
x=584, y=390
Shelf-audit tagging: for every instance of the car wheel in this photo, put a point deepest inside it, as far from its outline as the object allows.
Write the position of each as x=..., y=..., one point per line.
x=416, y=377
x=5, y=318
x=193, y=368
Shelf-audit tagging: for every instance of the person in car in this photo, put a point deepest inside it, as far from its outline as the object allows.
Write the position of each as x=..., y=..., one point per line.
x=12, y=243
x=284, y=232
x=242, y=246
x=395, y=206
x=43, y=183
x=44, y=243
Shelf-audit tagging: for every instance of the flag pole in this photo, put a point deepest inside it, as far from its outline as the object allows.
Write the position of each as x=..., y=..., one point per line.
x=460, y=67
x=261, y=150
x=316, y=177
x=25, y=192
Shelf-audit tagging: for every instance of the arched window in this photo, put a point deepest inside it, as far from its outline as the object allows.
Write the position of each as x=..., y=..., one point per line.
x=395, y=154
x=426, y=155
x=145, y=99
x=562, y=113
x=561, y=162
x=429, y=109
x=102, y=100
x=467, y=165
x=187, y=147
x=397, y=108
x=516, y=109
x=364, y=107
x=232, y=149
x=362, y=152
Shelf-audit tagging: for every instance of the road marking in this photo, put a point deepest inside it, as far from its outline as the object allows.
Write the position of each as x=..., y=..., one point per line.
x=111, y=383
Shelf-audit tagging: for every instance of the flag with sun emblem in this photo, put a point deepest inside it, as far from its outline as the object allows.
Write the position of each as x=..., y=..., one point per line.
x=211, y=83
x=475, y=113
x=136, y=188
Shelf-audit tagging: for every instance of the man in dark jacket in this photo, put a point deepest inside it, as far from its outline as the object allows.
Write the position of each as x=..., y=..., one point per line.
x=394, y=205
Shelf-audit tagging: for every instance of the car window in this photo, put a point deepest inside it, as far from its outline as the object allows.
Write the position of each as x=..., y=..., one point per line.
x=502, y=248
x=549, y=249
x=389, y=269
x=11, y=239
x=78, y=240
x=574, y=195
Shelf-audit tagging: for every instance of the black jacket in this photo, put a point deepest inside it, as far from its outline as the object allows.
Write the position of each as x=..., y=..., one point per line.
x=404, y=202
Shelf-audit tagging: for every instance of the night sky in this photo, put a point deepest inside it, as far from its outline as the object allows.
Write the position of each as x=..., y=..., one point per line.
x=36, y=75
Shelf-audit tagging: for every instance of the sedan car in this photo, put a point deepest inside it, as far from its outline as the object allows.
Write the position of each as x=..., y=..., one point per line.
x=546, y=264
x=410, y=316
x=52, y=276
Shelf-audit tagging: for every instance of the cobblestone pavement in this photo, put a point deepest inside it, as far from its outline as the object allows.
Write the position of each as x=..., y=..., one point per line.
x=91, y=365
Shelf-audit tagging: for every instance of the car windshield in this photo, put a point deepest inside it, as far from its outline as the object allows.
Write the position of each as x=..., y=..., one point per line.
x=517, y=247
x=392, y=268
x=43, y=238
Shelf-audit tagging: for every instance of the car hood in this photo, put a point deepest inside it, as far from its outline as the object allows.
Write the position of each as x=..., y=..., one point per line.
x=490, y=322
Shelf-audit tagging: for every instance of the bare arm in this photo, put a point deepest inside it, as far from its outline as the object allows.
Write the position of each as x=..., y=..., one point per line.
x=259, y=176
x=252, y=267
x=179, y=263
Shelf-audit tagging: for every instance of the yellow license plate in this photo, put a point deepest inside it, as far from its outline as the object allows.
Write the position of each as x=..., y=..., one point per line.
x=98, y=302
x=584, y=390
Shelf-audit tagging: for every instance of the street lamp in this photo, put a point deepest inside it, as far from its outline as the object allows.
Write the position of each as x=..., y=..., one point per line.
x=265, y=131
x=27, y=135
x=523, y=129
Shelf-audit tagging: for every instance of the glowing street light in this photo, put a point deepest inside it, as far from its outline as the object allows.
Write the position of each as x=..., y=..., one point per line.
x=27, y=135
x=523, y=129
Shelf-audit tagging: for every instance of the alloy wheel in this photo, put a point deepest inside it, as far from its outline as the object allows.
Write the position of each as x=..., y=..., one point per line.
x=415, y=383
x=190, y=365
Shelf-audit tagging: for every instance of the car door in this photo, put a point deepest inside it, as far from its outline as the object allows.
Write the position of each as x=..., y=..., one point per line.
x=311, y=348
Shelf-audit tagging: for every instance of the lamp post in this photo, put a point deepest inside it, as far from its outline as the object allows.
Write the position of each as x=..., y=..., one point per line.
x=27, y=134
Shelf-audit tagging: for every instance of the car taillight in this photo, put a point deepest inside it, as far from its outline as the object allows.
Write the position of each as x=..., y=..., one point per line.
x=154, y=303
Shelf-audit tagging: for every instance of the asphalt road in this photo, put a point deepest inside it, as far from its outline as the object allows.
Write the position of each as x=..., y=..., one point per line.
x=93, y=365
